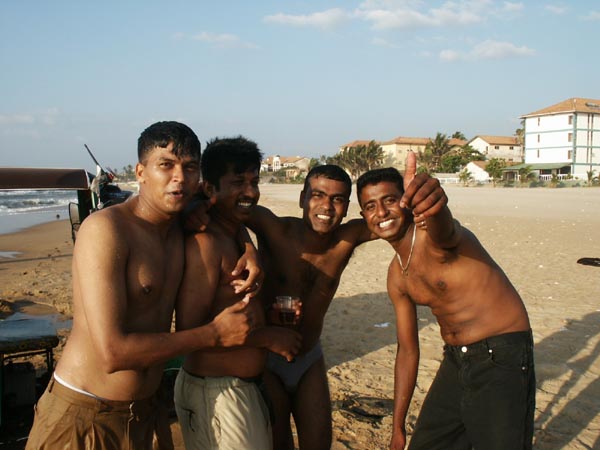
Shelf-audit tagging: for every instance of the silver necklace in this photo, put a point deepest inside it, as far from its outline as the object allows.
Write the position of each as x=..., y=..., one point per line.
x=412, y=246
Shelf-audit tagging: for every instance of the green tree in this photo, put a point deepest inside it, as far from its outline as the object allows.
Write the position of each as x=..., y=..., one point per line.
x=525, y=175
x=494, y=169
x=359, y=159
x=314, y=162
x=459, y=135
x=590, y=177
x=465, y=177
x=431, y=157
x=451, y=163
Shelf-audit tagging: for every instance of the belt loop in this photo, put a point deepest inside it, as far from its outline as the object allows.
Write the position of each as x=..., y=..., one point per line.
x=51, y=383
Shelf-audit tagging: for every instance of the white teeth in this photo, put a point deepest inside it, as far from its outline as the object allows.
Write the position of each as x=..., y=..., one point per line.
x=323, y=217
x=385, y=223
x=245, y=204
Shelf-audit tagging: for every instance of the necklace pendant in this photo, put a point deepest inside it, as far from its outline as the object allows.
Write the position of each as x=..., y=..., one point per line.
x=405, y=272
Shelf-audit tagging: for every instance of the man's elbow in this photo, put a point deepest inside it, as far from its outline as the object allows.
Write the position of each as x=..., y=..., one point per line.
x=113, y=359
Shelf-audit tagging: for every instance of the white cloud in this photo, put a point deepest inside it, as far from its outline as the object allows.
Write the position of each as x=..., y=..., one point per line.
x=512, y=7
x=222, y=40
x=556, y=9
x=325, y=19
x=16, y=119
x=592, y=15
x=487, y=50
x=380, y=42
x=411, y=14
x=450, y=55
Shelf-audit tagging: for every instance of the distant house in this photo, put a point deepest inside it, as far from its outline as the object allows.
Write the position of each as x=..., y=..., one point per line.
x=500, y=147
x=563, y=139
x=477, y=171
x=395, y=151
x=294, y=165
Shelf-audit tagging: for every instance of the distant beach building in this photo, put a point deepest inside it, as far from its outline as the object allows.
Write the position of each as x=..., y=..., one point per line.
x=293, y=165
x=563, y=139
x=477, y=171
x=499, y=147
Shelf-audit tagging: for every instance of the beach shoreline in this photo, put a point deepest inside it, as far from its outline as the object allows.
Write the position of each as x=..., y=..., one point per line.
x=535, y=235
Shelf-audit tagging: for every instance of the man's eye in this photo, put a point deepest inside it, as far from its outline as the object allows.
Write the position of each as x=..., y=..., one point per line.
x=339, y=200
x=369, y=207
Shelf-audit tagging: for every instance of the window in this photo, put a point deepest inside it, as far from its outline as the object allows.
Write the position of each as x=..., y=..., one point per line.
x=511, y=147
x=538, y=122
x=570, y=154
x=538, y=152
x=538, y=138
x=496, y=147
x=570, y=120
x=570, y=137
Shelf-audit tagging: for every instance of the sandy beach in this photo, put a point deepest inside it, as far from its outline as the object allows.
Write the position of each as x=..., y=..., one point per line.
x=535, y=235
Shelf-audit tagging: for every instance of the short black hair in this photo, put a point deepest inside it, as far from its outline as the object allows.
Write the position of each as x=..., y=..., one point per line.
x=220, y=154
x=331, y=172
x=161, y=134
x=376, y=176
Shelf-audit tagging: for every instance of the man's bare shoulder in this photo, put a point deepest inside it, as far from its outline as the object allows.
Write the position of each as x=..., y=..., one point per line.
x=355, y=231
x=264, y=221
x=107, y=223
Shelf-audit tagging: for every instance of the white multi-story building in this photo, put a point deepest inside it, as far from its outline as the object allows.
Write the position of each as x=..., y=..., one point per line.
x=564, y=139
x=500, y=147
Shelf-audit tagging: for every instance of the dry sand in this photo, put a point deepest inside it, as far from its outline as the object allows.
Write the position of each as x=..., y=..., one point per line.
x=536, y=235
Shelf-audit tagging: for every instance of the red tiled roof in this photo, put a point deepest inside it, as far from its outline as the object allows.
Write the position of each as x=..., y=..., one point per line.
x=497, y=140
x=575, y=104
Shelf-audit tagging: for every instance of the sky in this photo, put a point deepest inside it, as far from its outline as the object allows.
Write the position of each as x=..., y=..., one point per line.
x=301, y=78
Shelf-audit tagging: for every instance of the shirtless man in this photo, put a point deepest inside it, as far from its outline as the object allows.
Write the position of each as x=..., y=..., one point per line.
x=305, y=258
x=127, y=266
x=217, y=394
x=483, y=395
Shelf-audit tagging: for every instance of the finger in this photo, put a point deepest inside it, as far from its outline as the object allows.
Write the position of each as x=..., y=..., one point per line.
x=430, y=205
x=411, y=169
x=239, y=267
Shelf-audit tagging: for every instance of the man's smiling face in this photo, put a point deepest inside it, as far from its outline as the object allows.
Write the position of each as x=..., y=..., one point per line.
x=324, y=203
x=380, y=207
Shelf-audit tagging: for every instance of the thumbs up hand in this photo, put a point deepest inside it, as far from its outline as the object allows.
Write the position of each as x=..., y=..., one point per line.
x=422, y=193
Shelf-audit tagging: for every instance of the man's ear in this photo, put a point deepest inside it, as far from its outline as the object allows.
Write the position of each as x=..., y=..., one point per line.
x=362, y=213
x=301, y=201
x=209, y=189
x=139, y=172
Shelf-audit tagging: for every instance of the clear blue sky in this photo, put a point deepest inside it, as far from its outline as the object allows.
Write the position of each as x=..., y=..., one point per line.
x=298, y=77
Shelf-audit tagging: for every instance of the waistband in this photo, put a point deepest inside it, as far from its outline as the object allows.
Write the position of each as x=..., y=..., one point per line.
x=487, y=345
x=100, y=404
x=222, y=381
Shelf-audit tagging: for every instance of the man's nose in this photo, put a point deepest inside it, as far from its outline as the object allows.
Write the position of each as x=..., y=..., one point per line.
x=381, y=210
x=251, y=190
x=178, y=174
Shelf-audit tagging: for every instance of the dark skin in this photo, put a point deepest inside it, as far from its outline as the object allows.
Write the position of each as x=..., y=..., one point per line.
x=450, y=272
x=305, y=257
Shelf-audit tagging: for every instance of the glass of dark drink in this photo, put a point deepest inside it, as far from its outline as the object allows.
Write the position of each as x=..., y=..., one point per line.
x=287, y=306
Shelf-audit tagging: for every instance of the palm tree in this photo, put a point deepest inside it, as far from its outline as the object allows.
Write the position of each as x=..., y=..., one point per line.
x=359, y=159
x=525, y=174
x=494, y=169
x=465, y=176
x=434, y=150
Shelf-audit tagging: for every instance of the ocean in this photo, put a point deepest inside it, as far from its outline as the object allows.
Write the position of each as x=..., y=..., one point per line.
x=22, y=209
